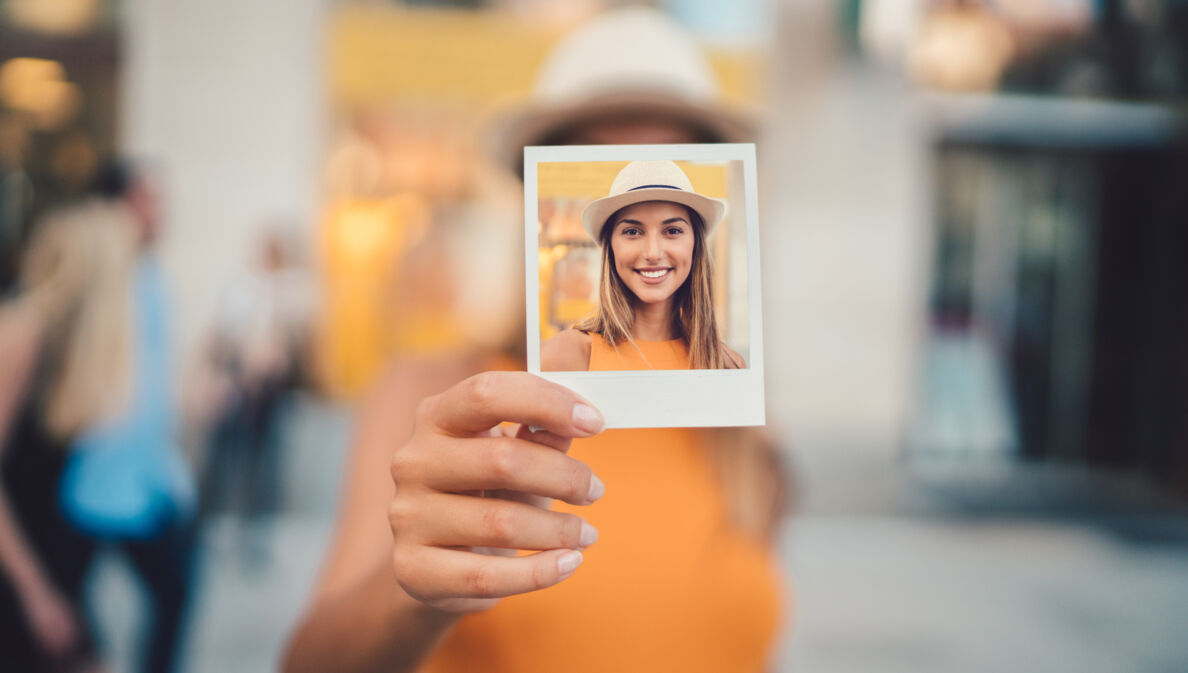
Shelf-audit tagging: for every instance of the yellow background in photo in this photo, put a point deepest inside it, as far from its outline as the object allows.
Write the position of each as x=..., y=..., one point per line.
x=592, y=179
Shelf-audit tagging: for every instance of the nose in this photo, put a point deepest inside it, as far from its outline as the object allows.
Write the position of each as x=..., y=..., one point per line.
x=655, y=243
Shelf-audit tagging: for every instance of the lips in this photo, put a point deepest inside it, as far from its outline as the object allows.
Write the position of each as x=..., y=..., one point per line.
x=654, y=275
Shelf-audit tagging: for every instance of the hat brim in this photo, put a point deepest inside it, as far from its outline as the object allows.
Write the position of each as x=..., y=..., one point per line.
x=520, y=125
x=596, y=213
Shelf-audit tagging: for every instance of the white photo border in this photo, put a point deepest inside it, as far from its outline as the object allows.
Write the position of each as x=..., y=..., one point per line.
x=661, y=398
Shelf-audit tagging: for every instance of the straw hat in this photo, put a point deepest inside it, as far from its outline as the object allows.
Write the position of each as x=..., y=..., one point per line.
x=641, y=181
x=632, y=61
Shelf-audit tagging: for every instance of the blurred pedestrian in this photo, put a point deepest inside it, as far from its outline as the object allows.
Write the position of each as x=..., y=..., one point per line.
x=125, y=482
x=684, y=578
x=257, y=351
x=66, y=344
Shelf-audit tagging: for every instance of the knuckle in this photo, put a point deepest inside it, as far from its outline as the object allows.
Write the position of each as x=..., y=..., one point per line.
x=502, y=460
x=481, y=389
x=479, y=581
x=425, y=411
x=401, y=467
x=499, y=524
x=400, y=514
x=402, y=565
x=571, y=531
x=407, y=574
x=542, y=574
x=579, y=482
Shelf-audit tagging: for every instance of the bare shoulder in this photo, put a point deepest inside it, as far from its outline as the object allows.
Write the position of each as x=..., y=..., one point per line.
x=569, y=351
x=733, y=358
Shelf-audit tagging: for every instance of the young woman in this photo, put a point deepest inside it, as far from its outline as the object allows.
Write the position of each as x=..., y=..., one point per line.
x=655, y=298
x=647, y=549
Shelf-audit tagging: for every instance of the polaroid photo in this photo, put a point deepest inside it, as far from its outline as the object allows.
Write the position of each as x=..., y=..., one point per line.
x=642, y=280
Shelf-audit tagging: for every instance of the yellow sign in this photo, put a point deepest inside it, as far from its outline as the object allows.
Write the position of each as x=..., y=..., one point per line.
x=381, y=53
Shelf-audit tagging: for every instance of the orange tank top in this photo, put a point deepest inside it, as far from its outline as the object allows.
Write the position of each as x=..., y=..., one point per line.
x=669, y=586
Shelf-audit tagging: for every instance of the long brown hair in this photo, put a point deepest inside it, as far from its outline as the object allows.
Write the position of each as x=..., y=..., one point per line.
x=694, y=318
x=76, y=276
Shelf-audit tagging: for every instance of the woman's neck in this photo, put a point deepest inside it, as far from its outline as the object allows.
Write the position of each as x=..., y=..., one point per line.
x=653, y=322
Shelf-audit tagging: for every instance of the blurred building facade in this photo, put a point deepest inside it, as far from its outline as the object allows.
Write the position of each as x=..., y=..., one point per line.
x=1057, y=153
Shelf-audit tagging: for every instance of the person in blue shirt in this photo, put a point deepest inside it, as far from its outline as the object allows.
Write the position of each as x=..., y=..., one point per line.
x=87, y=433
x=126, y=481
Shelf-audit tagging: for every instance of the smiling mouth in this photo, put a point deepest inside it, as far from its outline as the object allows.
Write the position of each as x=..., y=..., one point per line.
x=654, y=274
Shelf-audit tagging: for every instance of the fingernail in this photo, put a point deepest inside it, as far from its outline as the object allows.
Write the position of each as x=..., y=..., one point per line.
x=568, y=562
x=587, y=418
x=597, y=488
x=589, y=535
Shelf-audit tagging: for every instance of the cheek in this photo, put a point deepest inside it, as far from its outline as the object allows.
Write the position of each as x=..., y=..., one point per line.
x=623, y=272
x=624, y=248
x=623, y=256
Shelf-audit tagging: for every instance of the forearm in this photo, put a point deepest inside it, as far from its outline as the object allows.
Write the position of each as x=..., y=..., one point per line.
x=20, y=334
x=373, y=626
x=16, y=558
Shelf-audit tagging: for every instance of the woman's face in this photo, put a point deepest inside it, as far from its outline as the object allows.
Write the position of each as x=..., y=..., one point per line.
x=653, y=247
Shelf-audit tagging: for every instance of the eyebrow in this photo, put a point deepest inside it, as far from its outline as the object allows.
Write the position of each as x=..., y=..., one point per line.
x=640, y=224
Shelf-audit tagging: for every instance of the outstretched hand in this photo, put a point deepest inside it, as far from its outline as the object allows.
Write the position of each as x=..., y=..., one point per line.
x=469, y=495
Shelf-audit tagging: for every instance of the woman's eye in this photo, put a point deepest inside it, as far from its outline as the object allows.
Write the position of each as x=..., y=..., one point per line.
x=675, y=231
x=630, y=231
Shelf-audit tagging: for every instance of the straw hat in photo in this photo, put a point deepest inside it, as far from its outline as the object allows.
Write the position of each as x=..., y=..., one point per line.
x=641, y=181
x=627, y=63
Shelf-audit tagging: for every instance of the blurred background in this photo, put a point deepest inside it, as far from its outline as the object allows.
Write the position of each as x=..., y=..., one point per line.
x=974, y=225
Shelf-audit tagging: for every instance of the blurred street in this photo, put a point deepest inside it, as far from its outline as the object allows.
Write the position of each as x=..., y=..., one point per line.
x=941, y=594
x=975, y=348
x=895, y=568
x=912, y=567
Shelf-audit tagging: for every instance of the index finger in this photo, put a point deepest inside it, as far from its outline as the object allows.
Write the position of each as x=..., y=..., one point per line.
x=489, y=398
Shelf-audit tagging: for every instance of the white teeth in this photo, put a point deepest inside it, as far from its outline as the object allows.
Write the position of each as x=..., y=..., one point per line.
x=653, y=274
